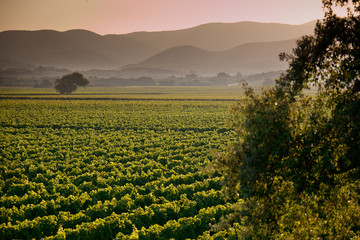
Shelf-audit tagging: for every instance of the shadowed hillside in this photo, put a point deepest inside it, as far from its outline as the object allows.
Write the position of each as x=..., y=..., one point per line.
x=223, y=36
x=208, y=46
x=247, y=58
x=255, y=57
x=72, y=49
x=181, y=58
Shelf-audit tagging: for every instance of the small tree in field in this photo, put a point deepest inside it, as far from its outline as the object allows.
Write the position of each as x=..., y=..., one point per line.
x=69, y=83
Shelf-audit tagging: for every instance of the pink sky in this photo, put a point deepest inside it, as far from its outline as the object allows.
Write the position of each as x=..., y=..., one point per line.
x=123, y=16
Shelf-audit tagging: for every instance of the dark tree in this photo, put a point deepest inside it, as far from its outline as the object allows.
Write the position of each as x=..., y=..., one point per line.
x=70, y=83
x=295, y=170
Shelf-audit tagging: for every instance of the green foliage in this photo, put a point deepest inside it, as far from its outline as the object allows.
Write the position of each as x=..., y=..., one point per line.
x=70, y=83
x=296, y=164
x=110, y=169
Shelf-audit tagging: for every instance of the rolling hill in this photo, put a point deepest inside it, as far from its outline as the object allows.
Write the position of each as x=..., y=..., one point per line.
x=255, y=57
x=181, y=58
x=245, y=46
x=247, y=58
x=72, y=49
x=223, y=36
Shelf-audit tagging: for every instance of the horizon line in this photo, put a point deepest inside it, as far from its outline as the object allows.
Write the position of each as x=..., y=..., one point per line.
x=153, y=31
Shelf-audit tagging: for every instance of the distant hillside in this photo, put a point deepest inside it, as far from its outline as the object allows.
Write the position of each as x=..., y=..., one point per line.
x=181, y=58
x=71, y=49
x=247, y=58
x=255, y=57
x=223, y=36
x=195, y=48
x=10, y=62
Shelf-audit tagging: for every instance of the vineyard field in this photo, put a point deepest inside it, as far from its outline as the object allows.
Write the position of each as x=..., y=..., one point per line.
x=130, y=93
x=106, y=169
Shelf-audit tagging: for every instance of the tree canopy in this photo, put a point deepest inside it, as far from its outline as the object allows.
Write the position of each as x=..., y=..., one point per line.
x=70, y=83
x=295, y=169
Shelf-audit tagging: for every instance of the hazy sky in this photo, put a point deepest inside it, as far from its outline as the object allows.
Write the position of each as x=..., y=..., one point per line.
x=123, y=16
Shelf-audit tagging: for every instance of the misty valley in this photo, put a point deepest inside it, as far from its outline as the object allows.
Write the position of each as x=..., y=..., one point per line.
x=216, y=54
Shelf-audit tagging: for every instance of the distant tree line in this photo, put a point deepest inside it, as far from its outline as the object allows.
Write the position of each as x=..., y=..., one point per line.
x=221, y=79
x=46, y=77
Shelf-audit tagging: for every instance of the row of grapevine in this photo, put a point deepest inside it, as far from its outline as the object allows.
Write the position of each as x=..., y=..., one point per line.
x=110, y=169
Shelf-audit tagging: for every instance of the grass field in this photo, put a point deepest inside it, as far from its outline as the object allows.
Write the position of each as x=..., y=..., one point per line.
x=88, y=167
x=234, y=92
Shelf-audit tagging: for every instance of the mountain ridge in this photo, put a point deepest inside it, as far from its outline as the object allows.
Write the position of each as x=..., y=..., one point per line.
x=83, y=49
x=232, y=34
x=247, y=58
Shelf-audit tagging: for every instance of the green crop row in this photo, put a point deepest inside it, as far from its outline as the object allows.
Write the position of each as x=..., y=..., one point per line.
x=105, y=169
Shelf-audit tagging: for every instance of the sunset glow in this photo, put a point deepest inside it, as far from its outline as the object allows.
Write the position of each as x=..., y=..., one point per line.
x=123, y=16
